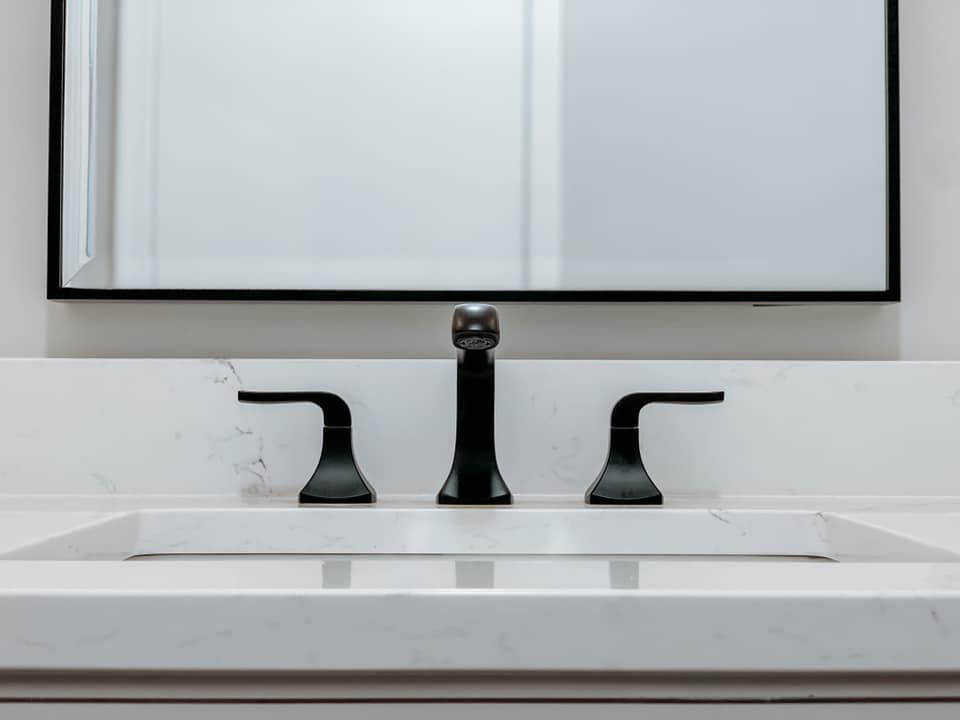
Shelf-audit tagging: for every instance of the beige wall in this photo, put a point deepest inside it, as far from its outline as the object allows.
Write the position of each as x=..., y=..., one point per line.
x=924, y=326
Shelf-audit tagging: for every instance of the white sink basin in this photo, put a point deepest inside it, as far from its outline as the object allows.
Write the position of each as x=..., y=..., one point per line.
x=433, y=545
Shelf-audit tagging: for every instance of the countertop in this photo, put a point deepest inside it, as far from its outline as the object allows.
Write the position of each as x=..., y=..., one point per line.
x=884, y=595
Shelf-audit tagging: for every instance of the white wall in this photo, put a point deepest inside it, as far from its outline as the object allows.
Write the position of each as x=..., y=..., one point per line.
x=24, y=50
x=924, y=326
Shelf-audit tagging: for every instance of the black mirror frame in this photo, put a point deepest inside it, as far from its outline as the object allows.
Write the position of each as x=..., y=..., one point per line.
x=57, y=291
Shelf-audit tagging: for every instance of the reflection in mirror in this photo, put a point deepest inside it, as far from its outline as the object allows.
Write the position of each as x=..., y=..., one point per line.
x=475, y=574
x=624, y=574
x=337, y=574
x=660, y=145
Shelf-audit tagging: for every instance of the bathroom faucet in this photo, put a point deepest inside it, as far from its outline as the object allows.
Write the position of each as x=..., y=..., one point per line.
x=475, y=477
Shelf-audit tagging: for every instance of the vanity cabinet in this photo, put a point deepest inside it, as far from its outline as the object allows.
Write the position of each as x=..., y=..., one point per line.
x=509, y=711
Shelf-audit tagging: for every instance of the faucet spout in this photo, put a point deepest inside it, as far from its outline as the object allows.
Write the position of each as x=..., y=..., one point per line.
x=475, y=477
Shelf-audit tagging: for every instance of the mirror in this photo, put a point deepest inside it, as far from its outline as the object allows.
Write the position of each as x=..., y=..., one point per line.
x=511, y=149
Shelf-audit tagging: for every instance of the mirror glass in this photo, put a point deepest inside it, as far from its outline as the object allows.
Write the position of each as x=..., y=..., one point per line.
x=573, y=145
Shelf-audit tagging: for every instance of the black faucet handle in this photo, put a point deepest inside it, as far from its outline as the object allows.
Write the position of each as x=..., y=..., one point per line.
x=337, y=479
x=336, y=412
x=626, y=413
x=624, y=480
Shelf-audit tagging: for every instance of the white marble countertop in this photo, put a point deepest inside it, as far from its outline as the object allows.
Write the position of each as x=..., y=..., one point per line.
x=709, y=584
x=811, y=525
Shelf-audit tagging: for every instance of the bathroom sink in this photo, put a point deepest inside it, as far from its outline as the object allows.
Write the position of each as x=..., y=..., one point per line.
x=477, y=547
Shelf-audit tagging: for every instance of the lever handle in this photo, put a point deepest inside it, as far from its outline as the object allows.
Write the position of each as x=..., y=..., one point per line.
x=626, y=413
x=336, y=412
x=624, y=480
x=337, y=479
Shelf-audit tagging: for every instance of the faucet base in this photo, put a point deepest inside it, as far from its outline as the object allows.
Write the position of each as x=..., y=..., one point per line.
x=601, y=493
x=624, y=480
x=337, y=479
x=491, y=490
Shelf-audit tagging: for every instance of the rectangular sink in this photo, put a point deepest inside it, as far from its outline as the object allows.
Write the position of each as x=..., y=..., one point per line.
x=411, y=542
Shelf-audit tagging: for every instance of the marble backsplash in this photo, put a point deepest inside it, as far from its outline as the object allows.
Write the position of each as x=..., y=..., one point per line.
x=175, y=426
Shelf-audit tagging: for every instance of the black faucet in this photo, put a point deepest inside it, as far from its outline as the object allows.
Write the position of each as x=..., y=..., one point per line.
x=337, y=479
x=475, y=477
x=624, y=480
